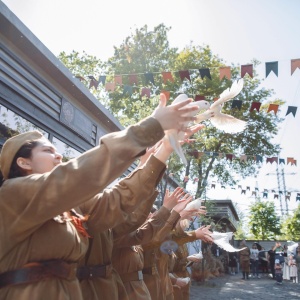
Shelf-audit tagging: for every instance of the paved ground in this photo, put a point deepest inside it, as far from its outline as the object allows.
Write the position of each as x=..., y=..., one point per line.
x=229, y=287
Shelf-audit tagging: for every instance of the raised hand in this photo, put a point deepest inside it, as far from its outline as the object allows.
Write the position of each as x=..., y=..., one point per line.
x=204, y=234
x=176, y=199
x=174, y=116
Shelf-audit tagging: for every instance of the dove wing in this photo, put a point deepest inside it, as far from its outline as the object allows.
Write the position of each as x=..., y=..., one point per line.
x=229, y=93
x=228, y=123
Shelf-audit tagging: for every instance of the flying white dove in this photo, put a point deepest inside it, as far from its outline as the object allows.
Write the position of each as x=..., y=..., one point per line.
x=222, y=240
x=195, y=204
x=222, y=121
x=195, y=257
x=176, y=136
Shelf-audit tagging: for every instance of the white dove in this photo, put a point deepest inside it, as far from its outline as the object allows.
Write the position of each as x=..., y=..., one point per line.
x=195, y=204
x=195, y=257
x=222, y=240
x=222, y=121
x=176, y=136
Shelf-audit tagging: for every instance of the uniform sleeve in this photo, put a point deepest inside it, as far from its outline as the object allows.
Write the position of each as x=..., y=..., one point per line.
x=27, y=202
x=112, y=207
x=163, y=232
x=146, y=232
x=135, y=219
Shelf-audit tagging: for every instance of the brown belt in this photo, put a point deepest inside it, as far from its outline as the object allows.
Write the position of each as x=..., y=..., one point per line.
x=36, y=271
x=133, y=276
x=150, y=271
x=89, y=272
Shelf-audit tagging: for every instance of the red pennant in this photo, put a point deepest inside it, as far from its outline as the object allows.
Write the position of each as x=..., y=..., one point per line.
x=133, y=79
x=247, y=69
x=199, y=97
x=118, y=79
x=184, y=74
x=145, y=92
x=255, y=105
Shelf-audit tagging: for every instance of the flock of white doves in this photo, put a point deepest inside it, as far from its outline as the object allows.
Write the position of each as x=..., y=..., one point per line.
x=213, y=112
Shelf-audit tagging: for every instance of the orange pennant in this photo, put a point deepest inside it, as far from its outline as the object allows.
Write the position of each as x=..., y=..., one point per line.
x=167, y=76
x=273, y=107
x=295, y=63
x=110, y=86
x=225, y=72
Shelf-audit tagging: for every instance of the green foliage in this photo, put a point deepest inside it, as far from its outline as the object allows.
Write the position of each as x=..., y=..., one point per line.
x=149, y=51
x=264, y=224
x=291, y=226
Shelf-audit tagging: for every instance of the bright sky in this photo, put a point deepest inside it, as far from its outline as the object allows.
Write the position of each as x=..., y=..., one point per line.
x=237, y=30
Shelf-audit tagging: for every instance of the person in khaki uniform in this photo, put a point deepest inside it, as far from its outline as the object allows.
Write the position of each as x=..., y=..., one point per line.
x=128, y=256
x=97, y=281
x=165, y=290
x=44, y=236
x=178, y=267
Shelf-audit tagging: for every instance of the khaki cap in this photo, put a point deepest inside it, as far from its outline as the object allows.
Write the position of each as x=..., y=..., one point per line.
x=12, y=146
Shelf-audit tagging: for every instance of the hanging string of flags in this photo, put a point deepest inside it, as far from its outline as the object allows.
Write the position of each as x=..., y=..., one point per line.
x=254, y=193
x=133, y=80
x=244, y=157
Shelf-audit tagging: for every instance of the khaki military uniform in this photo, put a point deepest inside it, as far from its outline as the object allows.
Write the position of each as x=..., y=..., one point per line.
x=140, y=184
x=128, y=259
x=29, y=205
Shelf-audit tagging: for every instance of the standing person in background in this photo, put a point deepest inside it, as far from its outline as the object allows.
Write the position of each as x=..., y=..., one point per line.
x=232, y=262
x=44, y=235
x=293, y=269
x=271, y=258
x=245, y=260
x=297, y=258
x=254, y=260
x=286, y=267
x=263, y=256
x=278, y=271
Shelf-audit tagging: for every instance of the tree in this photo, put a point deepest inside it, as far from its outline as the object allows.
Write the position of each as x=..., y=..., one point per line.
x=291, y=226
x=147, y=51
x=264, y=224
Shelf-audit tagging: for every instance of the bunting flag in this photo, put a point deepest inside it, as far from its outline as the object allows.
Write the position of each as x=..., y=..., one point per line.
x=265, y=195
x=94, y=82
x=199, y=97
x=128, y=89
x=133, y=79
x=291, y=109
x=80, y=78
x=272, y=66
x=236, y=104
x=281, y=161
x=225, y=72
x=229, y=157
x=253, y=193
x=243, y=192
x=247, y=69
x=185, y=74
x=145, y=92
x=295, y=64
x=118, y=79
x=110, y=86
x=273, y=107
x=205, y=73
x=149, y=78
x=167, y=76
x=272, y=159
x=276, y=196
x=102, y=79
x=255, y=105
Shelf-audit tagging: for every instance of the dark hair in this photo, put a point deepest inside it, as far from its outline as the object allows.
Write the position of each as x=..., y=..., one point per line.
x=25, y=151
